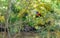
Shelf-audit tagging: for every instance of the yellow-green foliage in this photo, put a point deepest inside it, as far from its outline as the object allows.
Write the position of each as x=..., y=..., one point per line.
x=47, y=9
x=2, y=19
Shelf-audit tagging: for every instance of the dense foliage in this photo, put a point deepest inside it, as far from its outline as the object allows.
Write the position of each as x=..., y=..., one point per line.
x=34, y=13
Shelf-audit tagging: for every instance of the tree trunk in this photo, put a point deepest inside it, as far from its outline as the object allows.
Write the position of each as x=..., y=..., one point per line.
x=8, y=11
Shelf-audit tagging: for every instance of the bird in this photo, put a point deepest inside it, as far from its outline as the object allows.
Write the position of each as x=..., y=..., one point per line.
x=38, y=14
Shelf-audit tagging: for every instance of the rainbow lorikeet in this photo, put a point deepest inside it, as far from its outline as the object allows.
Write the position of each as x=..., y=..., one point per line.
x=38, y=14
